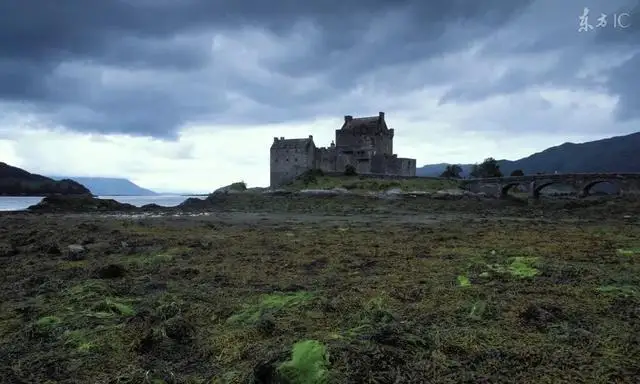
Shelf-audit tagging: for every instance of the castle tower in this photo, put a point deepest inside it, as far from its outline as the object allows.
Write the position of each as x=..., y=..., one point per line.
x=365, y=133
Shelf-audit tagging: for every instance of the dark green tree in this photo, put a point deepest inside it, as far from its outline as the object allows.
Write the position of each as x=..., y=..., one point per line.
x=517, y=172
x=452, y=171
x=488, y=168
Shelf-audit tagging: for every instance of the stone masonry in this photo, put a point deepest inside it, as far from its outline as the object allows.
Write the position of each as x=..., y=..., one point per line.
x=581, y=183
x=364, y=142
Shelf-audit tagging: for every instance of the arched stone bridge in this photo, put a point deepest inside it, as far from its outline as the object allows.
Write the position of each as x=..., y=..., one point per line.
x=627, y=183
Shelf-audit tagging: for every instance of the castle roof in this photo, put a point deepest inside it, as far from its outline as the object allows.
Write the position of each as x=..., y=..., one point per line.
x=283, y=143
x=368, y=122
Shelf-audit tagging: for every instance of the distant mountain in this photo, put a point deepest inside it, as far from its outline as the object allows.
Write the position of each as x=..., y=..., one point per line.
x=15, y=181
x=615, y=154
x=110, y=186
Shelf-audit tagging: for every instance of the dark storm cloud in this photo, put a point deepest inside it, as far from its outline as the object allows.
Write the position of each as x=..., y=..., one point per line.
x=54, y=55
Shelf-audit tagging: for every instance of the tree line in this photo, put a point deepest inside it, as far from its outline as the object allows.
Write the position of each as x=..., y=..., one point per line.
x=488, y=168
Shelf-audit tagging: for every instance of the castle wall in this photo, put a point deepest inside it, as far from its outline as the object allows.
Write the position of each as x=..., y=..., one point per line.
x=326, y=159
x=288, y=162
x=407, y=167
x=359, y=138
x=393, y=165
x=342, y=160
x=351, y=139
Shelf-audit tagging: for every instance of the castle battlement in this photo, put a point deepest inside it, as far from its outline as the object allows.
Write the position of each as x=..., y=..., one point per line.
x=366, y=143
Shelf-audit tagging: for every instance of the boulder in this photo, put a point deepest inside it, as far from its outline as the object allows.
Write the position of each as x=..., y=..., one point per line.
x=76, y=252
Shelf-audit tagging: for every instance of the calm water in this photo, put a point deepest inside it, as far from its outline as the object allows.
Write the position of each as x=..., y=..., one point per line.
x=11, y=203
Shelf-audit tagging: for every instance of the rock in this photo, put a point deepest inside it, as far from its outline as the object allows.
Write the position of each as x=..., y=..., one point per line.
x=7, y=250
x=196, y=203
x=76, y=252
x=81, y=203
x=232, y=188
x=111, y=271
x=52, y=249
x=277, y=192
x=334, y=191
x=152, y=207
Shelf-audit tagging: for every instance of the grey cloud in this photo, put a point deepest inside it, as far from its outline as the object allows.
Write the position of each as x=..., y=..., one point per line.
x=625, y=80
x=559, y=35
x=182, y=81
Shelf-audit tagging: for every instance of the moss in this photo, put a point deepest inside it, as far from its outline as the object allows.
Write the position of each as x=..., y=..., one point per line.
x=308, y=365
x=628, y=252
x=271, y=303
x=463, y=281
x=624, y=290
x=520, y=266
x=114, y=306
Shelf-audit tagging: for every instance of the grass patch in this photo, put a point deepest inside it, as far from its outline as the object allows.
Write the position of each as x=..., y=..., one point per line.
x=628, y=252
x=156, y=259
x=79, y=340
x=624, y=290
x=520, y=266
x=270, y=304
x=363, y=183
x=114, y=306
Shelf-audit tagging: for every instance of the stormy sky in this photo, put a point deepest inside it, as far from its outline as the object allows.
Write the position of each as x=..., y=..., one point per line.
x=187, y=95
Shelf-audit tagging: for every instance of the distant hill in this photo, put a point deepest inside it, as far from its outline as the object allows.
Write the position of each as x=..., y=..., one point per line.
x=615, y=154
x=15, y=181
x=110, y=186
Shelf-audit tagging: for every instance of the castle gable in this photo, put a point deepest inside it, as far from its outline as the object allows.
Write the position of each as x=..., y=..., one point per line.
x=368, y=123
x=282, y=143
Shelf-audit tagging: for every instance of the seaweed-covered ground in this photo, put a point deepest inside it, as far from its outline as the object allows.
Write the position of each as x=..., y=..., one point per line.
x=325, y=290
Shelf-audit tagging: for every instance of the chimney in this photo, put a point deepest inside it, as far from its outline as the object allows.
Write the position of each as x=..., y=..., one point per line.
x=310, y=137
x=348, y=118
x=381, y=115
x=281, y=137
x=275, y=139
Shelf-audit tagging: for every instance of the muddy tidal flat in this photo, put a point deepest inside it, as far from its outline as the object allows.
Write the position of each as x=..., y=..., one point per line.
x=325, y=289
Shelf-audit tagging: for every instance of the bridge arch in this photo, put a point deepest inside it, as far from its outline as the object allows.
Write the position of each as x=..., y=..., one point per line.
x=546, y=183
x=504, y=191
x=616, y=183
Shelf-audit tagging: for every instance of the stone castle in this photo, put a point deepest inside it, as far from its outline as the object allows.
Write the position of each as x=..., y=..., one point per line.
x=366, y=143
